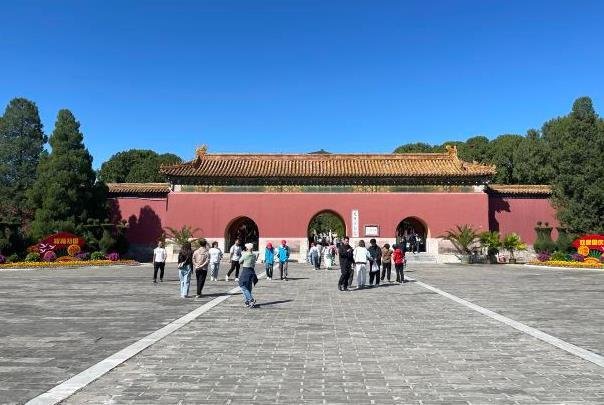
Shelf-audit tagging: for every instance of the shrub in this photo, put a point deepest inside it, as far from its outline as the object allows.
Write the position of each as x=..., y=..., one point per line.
x=512, y=243
x=558, y=257
x=113, y=256
x=2, y=259
x=576, y=257
x=13, y=258
x=462, y=237
x=83, y=256
x=50, y=256
x=544, y=242
x=97, y=256
x=543, y=256
x=564, y=241
x=33, y=257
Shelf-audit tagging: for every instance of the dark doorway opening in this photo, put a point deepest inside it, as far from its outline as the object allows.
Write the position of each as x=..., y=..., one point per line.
x=407, y=228
x=244, y=229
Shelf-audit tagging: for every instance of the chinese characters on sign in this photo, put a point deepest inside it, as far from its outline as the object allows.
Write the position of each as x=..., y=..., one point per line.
x=355, y=223
x=586, y=243
x=372, y=230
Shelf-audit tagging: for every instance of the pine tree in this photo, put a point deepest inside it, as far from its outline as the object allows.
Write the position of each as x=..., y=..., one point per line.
x=65, y=194
x=21, y=145
x=576, y=148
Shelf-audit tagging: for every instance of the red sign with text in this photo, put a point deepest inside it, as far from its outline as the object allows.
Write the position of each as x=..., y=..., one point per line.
x=589, y=242
x=60, y=240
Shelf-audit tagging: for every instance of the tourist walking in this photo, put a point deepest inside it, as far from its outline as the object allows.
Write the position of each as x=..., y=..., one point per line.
x=386, y=261
x=185, y=264
x=330, y=255
x=361, y=256
x=248, y=275
x=235, y=255
x=375, y=260
x=320, y=250
x=201, y=262
x=313, y=255
x=283, y=258
x=215, y=258
x=269, y=260
x=413, y=242
x=398, y=257
x=159, y=261
x=346, y=262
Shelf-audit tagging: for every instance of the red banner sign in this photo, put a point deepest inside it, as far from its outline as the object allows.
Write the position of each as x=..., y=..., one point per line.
x=589, y=242
x=60, y=240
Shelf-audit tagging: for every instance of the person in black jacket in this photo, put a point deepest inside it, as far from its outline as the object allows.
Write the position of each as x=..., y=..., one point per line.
x=346, y=262
x=185, y=265
x=374, y=262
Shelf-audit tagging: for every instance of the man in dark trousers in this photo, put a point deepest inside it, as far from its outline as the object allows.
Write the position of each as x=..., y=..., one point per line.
x=346, y=262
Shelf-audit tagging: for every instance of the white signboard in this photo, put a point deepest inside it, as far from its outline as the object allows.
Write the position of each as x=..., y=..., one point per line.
x=372, y=230
x=355, y=223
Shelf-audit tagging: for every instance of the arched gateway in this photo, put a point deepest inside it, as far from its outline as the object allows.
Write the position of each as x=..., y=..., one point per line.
x=244, y=229
x=325, y=226
x=412, y=227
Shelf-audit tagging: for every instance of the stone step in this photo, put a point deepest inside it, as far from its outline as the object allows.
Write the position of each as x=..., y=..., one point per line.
x=420, y=258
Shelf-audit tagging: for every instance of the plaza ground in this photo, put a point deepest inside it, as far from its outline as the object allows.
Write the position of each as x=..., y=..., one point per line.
x=307, y=342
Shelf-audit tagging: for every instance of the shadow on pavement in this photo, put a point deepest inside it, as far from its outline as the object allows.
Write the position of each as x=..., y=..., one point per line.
x=263, y=304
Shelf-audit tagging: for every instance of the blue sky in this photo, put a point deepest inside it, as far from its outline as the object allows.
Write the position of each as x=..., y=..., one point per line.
x=297, y=76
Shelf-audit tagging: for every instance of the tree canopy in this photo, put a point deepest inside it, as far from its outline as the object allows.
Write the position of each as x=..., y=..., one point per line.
x=65, y=194
x=21, y=144
x=136, y=166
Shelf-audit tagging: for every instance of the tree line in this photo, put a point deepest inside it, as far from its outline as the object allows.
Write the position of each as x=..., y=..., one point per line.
x=566, y=153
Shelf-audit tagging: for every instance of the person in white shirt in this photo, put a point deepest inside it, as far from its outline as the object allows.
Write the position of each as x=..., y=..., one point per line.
x=215, y=257
x=159, y=261
x=235, y=254
x=361, y=256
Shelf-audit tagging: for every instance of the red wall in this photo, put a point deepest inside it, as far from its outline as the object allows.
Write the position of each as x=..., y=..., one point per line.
x=288, y=215
x=520, y=215
x=146, y=217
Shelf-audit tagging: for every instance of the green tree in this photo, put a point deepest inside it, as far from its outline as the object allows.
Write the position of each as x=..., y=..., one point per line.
x=576, y=147
x=532, y=164
x=476, y=149
x=136, y=166
x=21, y=145
x=65, y=194
x=418, y=147
x=501, y=154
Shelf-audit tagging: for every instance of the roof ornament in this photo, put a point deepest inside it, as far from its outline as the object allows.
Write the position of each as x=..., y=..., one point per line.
x=452, y=150
x=201, y=151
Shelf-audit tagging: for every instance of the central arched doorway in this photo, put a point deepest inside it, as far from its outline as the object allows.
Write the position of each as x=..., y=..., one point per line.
x=244, y=229
x=412, y=226
x=325, y=227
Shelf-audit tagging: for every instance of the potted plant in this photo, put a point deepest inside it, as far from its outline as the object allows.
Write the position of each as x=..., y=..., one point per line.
x=491, y=241
x=462, y=237
x=512, y=243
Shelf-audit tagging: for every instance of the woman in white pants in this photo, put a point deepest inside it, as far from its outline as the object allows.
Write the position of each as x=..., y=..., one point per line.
x=361, y=256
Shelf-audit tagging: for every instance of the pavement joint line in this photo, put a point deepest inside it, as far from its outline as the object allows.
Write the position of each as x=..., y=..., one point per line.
x=547, y=338
x=70, y=386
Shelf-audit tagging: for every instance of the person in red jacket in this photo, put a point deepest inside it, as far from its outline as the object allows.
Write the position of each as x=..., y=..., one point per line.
x=398, y=257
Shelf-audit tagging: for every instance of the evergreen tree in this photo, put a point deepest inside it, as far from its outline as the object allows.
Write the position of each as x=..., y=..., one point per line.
x=476, y=149
x=136, y=166
x=65, y=194
x=532, y=160
x=21, y=145
x=501, y=154
x=576, y=147
x=418, y=147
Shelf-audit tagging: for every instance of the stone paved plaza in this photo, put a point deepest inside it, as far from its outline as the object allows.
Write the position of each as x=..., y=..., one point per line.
x=307, y=342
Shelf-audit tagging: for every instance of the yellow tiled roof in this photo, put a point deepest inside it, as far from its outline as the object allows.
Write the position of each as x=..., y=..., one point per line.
x=138, y=188
x=534, y=189
x=403, y=165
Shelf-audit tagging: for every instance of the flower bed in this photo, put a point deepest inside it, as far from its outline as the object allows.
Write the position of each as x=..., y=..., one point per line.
x=564, y=263
x=63, y=264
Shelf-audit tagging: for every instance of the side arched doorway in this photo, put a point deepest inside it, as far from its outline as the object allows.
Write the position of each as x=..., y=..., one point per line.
x=412, y=228
x=325, y=227
x=244, y=229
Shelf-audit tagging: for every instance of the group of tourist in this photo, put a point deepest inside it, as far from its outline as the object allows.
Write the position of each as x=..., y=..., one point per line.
x=361, y=260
